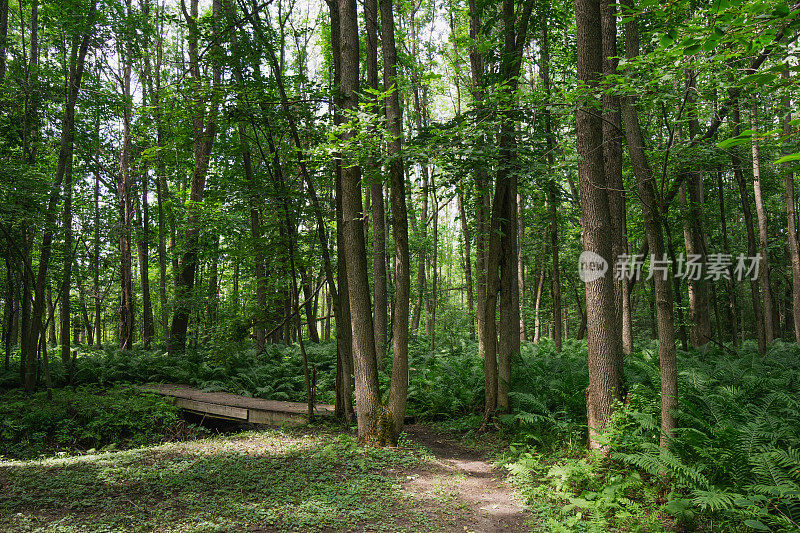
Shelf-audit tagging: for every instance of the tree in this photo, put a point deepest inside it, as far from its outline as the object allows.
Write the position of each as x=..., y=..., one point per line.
x=605, y=377
x=204, y=129
x=373, y=424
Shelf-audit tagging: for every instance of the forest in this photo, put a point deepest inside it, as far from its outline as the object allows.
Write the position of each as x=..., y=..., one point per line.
x=513, y=265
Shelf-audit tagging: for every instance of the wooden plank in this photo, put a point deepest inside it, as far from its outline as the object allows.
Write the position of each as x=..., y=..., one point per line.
x=244, y=402
x=275, y=418
x=213, y=409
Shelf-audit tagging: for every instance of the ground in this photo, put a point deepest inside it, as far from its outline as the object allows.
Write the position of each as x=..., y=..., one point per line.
x=273, y=480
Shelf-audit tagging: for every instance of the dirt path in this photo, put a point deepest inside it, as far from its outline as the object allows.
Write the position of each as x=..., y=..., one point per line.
x=478, y=488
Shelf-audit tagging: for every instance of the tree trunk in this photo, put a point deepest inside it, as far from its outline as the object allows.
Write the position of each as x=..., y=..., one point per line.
x=788, y=195
x=604, y=335
x=124, y=203
x=521, y=273
x=763, y=244
x=645, y=184
x=204, y=127
x=66, y=281
x=755, y=290
x=373, y=426
x=537, y=321
x=96, y=245
x=143, y=245
x=733, y=307
x=694, y=233
x=612, y=162
x=465, y=233
x=432, y=297
x=381, y=304
x=552, y=189
x=398, y=388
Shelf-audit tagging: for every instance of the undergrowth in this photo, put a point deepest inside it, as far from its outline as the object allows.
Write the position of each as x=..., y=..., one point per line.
x=88, y=418
x=733, y=464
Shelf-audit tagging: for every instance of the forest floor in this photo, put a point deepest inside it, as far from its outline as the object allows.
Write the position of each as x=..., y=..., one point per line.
x=264, y=481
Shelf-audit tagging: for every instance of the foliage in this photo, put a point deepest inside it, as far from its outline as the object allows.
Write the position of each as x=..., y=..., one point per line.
x=87, y=418
x=274, y=374
x=734, y=460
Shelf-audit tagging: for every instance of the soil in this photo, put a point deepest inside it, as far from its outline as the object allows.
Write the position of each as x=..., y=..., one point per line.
x=478, y=487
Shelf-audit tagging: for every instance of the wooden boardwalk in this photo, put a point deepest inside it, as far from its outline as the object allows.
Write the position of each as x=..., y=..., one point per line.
x=241, y=408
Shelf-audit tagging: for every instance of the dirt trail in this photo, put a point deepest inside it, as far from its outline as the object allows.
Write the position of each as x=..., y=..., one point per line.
x=477, y=486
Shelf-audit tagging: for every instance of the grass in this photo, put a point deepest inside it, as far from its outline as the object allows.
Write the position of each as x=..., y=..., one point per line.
x=306, y=479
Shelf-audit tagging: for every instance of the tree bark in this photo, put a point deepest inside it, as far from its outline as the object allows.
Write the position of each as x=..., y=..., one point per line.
x=465, y=233
x=755, y=290
x=521, y=273
x=612, y=162
x=645, y=184
x=380, y=296
x=398, y=389
x=604, y=335
x=763, y=243
x=694, y=235
x=733, y=307
x=373, y=424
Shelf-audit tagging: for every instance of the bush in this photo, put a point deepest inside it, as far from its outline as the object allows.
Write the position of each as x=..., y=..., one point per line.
x=90, y=417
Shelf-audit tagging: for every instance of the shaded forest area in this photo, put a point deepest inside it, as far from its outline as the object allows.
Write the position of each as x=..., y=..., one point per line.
x=567, y=228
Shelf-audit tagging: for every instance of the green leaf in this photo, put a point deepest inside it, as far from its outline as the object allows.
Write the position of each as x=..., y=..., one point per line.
x=756, y=524
x=761, y=78
x=788, y=158
x=733, y=141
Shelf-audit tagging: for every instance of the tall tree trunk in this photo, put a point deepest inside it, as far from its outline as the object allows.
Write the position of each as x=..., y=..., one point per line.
x=465, y=233
x=9, y=312
x=733, y=307
x=254, y=190
x=204, y=127
x=788, y=195
x=341, y=300
x=373, y=425
x=537, y=321
x=398, y=388
x=645, y=184
x=763, y=244
x=66, y=282
x=124, y=202
x=694, y=233
x=552, y=187
x=487, y=336
x=51, y=317
x=605, y=344
x=380, y=296
x=423, y=230
x=755, y=290
x=96, y=244
x=612, y=162
x=430, y=328
x=143, y=246
x=33, y=320
x=521, y=273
